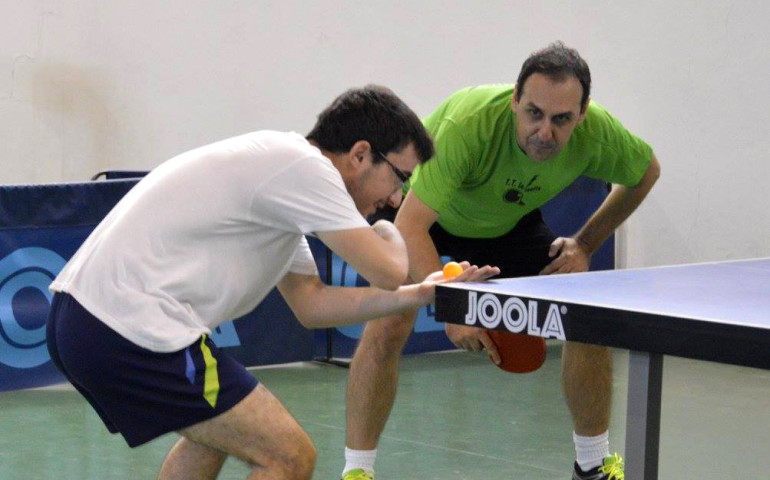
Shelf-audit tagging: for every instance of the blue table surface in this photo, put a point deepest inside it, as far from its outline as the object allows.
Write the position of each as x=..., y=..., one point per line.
x=730, y=292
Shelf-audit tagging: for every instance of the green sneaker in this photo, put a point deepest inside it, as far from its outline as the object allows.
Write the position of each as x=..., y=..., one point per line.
x=358, y=474
x=611, y=469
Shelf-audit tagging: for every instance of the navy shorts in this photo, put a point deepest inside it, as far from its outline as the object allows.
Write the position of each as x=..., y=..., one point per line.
x=521, y=252
x=137, y=392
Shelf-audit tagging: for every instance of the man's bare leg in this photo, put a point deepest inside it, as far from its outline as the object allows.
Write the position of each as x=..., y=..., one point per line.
x=373, y=379
x=587, y=382
x=258, y=431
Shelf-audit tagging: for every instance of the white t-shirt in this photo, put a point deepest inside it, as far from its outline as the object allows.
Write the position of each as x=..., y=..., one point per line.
x=205, y=236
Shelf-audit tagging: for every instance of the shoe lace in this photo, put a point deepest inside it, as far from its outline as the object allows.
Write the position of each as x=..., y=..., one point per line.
x=613, y=467
x=358, y=474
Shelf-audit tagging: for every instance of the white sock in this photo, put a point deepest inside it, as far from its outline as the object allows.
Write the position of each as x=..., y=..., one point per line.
x=591, y=451
x=363, y=459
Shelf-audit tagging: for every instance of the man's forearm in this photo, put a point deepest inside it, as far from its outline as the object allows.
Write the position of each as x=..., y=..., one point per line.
x=423, y=256
x=346, y=306
x=616, y=208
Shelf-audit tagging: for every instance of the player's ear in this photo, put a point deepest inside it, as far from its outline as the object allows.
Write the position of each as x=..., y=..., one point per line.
x=514, y=99
x=584, y=111
x=359, y=154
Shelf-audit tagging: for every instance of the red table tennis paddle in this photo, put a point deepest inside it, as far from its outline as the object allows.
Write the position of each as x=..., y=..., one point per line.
x=518, y=353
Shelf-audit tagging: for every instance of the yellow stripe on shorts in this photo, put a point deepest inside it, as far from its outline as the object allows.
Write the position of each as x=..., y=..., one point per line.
x=211, y=378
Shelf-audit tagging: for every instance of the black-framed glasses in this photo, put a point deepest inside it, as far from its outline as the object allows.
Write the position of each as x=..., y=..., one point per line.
x=402, y=175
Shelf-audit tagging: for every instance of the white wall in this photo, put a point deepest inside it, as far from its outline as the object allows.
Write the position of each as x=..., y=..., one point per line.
x=88, y=85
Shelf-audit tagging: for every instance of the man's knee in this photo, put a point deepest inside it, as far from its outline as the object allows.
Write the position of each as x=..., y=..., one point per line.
x=301, y=465
x=296, y=462
x=387, y=336
x=305, y=457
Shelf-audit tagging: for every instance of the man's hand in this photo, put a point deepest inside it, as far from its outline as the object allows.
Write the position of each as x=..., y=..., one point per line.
x=469, y=338
x=471, y=273
x=571, y=256
x=473, y=339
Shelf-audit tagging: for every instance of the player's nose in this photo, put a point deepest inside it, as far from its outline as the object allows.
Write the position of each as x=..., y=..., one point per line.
x=545, y=133
x=395, y=198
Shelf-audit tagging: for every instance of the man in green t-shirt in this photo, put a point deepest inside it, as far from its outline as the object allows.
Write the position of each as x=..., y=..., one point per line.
x=501, y=153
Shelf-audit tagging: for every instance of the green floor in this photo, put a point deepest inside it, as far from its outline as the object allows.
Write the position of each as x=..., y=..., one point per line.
x=456, y=418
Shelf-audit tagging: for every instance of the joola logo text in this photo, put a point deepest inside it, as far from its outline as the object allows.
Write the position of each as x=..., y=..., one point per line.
x=516, y=315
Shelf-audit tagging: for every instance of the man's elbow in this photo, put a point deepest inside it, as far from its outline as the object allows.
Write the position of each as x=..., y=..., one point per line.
x=653, y=171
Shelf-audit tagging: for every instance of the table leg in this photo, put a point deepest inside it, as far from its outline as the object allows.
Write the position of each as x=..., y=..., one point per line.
x=645, y=375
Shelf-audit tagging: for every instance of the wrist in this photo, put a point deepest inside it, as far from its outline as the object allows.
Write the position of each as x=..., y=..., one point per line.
x=585, y=244
x=420, y=294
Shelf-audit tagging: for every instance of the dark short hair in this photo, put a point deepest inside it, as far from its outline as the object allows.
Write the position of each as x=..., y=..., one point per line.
x=557, y=62
x=375, y=114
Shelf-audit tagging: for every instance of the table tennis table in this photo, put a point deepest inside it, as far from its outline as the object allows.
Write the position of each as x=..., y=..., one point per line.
x=717, y=311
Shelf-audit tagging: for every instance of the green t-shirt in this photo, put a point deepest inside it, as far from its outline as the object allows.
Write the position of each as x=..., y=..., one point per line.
x=481, y=183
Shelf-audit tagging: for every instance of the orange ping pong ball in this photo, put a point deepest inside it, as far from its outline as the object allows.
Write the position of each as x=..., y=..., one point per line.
x=452, y=269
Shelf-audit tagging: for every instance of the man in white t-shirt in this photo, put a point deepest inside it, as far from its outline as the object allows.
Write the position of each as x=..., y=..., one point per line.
x=203, y=239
